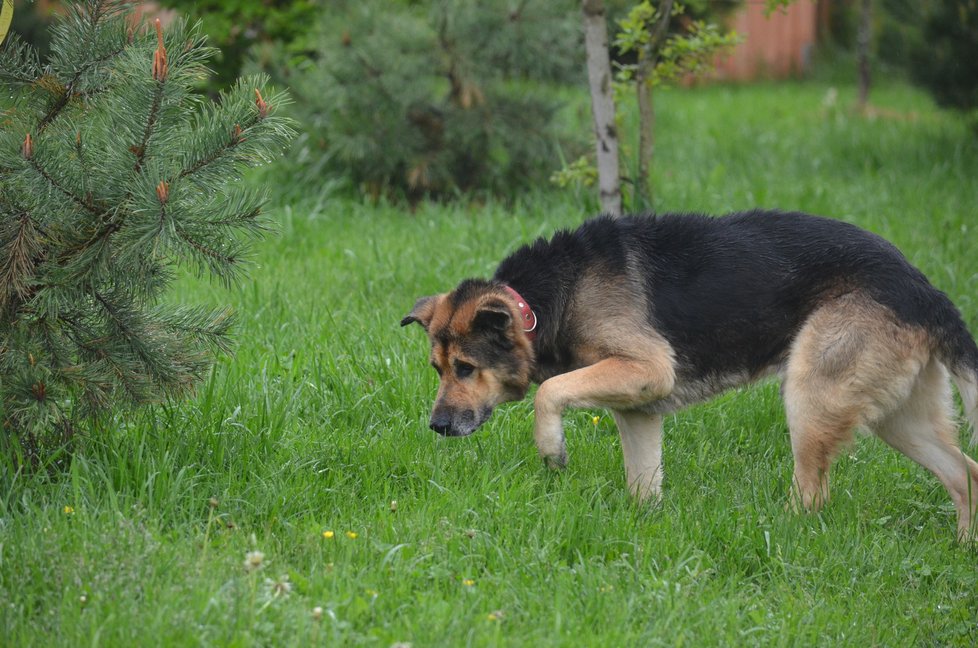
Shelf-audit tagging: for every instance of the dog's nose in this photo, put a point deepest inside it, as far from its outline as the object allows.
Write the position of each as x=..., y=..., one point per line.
x=441, y=423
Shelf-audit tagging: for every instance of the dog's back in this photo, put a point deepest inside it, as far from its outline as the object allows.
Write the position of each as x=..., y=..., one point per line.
x=731, y=293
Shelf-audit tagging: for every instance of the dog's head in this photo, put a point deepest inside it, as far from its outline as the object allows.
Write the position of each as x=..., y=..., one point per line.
x=480, y=351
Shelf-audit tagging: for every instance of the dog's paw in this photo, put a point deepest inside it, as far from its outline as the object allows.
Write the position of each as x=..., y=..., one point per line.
x=556, y=461
x=968, y=535
x=548, y=434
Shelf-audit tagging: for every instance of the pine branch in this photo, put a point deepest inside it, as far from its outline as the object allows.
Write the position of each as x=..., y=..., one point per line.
x=207, y=327
x=239, y=219
x=98, y=13
x=160, y=72
x=69, y=88
x=54, y=344
x=19, y=260
x=133, y=388
x=154, y=110
x=19, y=62
x=216, y=154
x=87, y=205
x=80, y=156
x=137, y=341
x=204, y=250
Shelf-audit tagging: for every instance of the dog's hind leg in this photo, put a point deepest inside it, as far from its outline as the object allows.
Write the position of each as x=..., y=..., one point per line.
x=850, y=364
x=817, y=434
x=641, y=445
x=923, y=429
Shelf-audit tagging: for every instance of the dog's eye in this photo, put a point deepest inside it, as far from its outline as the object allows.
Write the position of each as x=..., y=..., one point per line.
x=436, y=368
x=463, y=369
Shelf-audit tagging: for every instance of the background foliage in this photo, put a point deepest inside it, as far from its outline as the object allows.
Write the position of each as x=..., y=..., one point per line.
x=436, y=98
x=234, y=27
x=944, y=61
x=933, y=42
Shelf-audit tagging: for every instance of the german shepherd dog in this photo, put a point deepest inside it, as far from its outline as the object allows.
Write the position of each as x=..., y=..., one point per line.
x=647, y=314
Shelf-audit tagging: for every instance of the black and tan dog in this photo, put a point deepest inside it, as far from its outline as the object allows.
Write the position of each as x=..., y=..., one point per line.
x=645, y=315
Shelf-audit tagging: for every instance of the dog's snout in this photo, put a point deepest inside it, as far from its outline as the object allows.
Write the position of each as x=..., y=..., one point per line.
x=441, y=422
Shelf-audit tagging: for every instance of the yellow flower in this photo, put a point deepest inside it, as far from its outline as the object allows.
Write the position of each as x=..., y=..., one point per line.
x=496, y=615
x=69, y=510
x=596, y=419
x=352, y=535
x=468, y=582
x=328, y=535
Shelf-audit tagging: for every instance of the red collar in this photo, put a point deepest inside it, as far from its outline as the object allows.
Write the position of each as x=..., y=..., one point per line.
x=529, y=317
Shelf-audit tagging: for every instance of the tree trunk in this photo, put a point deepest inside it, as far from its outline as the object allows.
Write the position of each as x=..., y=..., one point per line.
x=862, y=44
x=602, y=105
x=647, y=60
x=646, y=139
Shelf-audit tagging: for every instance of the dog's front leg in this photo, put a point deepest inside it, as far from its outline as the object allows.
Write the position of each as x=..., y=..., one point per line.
x=618, y=383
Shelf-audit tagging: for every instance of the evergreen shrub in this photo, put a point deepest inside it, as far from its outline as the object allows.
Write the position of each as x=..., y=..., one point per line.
x=434, y=99
x=113, y=174
x=945, y=59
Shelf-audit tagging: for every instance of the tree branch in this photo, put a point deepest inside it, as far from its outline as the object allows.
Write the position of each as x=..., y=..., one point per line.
x=658, y=33
x=87, y=205
x=203, y=249
x=647, y=60
x=20, y=260
x=150, y=125
x=69, y=88
x=214, y=155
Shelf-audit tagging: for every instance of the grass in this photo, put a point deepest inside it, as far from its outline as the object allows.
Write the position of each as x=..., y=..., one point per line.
x=319, y=423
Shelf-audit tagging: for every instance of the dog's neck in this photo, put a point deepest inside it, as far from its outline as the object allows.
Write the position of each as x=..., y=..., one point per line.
x=534, y=272
x=527, y=317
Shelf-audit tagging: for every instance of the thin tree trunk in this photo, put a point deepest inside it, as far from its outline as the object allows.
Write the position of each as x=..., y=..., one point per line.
x=646, y=110
x=602, y=105
x=646, y=139
x=862, y=44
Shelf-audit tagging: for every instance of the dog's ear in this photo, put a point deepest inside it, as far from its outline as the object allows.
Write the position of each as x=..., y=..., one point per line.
x=422, y=312
x=493, y=316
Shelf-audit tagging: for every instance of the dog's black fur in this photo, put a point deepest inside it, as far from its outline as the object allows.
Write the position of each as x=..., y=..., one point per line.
x=727, y=293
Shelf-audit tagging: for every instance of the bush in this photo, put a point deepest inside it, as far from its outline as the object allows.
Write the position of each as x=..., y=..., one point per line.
x=113, y=172
x=416, y=100
x=945, y=61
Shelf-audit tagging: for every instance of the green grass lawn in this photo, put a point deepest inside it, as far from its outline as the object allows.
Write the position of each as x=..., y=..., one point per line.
x=319, y=423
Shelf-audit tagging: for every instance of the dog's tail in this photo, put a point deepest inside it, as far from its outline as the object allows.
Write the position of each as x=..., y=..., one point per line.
x=959, y=353
x=966, y=381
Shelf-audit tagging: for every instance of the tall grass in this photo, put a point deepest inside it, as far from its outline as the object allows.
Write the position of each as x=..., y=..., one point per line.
x=319, y=423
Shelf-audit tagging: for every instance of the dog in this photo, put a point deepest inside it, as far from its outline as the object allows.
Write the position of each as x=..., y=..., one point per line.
x=645, y=315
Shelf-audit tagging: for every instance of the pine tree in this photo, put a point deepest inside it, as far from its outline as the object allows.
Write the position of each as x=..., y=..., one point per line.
x=433, y=99
x=113, y=174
